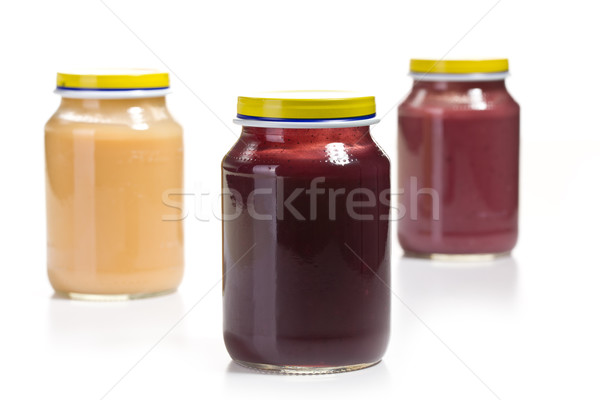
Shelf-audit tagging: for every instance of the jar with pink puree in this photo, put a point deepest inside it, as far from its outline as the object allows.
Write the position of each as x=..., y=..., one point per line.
x=458, y=145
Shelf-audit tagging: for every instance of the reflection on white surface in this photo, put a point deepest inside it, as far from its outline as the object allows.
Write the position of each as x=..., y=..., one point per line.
x=458, y=314
x=444, y=283
x=240, y=381
x=116, y=325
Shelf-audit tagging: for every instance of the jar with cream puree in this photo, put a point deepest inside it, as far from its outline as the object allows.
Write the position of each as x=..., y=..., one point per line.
x=114, y=159
x=306, y=249
x=458, y=153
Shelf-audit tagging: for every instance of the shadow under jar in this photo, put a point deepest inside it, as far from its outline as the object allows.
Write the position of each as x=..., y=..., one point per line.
x=113, y=152
x=306, y=259
x=458, y=150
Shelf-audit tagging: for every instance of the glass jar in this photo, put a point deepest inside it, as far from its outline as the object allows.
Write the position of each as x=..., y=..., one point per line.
x=306, y=252
x=114, y=159
x=458, y=151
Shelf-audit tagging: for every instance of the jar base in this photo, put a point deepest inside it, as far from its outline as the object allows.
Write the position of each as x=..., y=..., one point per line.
x=112, y=297
x=303, y=370
x=477, y=257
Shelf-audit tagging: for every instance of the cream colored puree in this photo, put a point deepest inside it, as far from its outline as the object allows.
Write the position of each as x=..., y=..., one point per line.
x=108, y=165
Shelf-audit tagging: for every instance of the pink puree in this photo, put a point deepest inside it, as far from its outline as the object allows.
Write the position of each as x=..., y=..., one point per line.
x=462, y=140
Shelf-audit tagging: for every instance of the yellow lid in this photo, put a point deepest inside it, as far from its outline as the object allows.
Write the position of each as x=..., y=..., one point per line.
x=113, y=79
x=306, y=105
x=459, y=66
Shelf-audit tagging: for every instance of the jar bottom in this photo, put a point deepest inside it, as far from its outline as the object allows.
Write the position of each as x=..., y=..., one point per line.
x=112, y=297
x=303, y=370
x=476, y=257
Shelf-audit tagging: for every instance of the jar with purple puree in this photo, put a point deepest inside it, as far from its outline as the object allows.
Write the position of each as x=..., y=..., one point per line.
x=306, y=246
x=458, y=150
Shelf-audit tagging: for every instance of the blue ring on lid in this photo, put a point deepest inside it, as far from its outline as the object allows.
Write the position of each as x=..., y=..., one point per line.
x=249, y=117
x=109, y=89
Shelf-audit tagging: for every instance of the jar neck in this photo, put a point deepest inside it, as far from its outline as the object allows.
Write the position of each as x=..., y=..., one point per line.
x=112, y=104
x=133, y=112
x=313, y=135
x=459, y=86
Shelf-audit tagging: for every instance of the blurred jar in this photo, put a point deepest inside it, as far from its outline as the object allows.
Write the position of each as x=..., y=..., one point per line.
x=113, y=155
x=458, y=149
x=306, y=251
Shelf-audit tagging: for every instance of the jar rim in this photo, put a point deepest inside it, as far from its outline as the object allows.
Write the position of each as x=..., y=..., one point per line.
x=111, y=94
x=311, y=124
x=493, y=76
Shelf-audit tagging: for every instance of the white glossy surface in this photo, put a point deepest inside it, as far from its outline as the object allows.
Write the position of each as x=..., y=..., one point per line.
x=526, y=327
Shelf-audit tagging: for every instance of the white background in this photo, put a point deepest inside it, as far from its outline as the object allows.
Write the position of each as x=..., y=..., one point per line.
x=521, y=328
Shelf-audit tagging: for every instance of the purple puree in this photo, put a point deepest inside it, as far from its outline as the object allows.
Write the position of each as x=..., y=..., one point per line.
x=462, y=140
x=294, y=292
